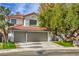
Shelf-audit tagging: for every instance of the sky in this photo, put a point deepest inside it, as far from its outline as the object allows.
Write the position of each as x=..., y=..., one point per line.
x=23, y=8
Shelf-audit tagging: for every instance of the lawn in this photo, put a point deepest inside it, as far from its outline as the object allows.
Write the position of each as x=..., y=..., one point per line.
x=65, y=44
x=1, y=47
x=9, y=45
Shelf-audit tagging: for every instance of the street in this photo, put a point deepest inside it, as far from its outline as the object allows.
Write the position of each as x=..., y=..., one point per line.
x=42, y=52
x=45, y=54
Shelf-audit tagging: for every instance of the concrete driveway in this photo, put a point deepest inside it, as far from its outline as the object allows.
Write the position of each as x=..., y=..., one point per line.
x=38, y=45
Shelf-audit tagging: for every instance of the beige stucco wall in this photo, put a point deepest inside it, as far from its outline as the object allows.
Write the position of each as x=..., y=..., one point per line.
x=19, y=22
x=30, y=17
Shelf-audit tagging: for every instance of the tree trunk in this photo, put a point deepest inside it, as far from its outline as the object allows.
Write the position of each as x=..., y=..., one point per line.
x=4, y=38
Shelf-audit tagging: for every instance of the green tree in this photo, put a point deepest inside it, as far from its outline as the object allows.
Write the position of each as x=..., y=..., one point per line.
x=45, y=14
x=71, y=19
x=57, y=18
x=3, y=24
x=61, y=18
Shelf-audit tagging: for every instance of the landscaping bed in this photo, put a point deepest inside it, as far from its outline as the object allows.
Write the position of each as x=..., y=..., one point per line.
x=65, y=44
x=9, y=45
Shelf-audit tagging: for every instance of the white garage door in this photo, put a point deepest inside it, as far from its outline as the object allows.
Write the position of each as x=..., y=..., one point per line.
x=20, y=36
x=37, y=36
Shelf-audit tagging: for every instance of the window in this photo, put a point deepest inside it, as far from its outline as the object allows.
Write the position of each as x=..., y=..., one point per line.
x=13, y=21
x=33, y=22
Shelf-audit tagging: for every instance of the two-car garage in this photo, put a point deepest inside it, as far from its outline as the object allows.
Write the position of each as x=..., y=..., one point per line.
x=22, y=36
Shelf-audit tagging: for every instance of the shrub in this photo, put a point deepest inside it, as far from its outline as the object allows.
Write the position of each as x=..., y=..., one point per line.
x=9, y=45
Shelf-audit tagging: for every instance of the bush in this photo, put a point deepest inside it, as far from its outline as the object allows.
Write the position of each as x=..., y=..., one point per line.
x=1, y=47
x=9, y=45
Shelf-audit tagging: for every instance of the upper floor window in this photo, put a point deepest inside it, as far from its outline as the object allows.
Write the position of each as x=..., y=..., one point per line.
x=33, y=22
x=13, y=21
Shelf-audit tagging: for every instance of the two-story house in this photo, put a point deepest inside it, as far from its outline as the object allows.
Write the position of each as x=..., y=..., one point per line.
x=26, y=28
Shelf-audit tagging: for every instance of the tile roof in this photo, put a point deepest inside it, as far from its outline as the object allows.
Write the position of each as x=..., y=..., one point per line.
x=29, y=28
x=19, y=16
x=15, y=17
x=31, y=14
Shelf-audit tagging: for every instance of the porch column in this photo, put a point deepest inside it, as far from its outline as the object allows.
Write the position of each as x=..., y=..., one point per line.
x=26, y=37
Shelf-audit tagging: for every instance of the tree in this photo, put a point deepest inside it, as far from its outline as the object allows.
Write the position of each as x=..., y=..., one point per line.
x=45, y=14
x=61, y=18
x=49, y=16
x=57, y=18
x=3, y=24
x=71, y=19
x=44, y=7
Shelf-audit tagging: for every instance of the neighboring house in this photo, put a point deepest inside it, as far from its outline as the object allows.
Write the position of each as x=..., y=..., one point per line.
x=26, y=28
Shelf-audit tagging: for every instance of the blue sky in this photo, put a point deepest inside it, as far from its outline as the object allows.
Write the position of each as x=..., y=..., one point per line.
x=23, y=8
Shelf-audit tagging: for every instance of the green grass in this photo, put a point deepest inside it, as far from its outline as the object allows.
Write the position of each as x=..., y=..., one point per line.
x=1, y=47
x=65, y=44
x=9, y=45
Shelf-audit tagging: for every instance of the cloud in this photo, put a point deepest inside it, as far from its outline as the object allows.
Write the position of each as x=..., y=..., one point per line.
x=23, y=8
x=20, y=8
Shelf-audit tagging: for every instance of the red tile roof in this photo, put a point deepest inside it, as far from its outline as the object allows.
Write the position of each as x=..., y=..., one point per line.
x=19, y=16
x=30, y=28
x=16, y=17
x=30, y=14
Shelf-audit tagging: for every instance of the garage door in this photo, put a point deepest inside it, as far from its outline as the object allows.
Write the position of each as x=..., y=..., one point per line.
x=37, y=36
x=20, y=36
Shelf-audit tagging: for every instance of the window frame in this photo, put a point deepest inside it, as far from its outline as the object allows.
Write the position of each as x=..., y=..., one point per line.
x=13, y=21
